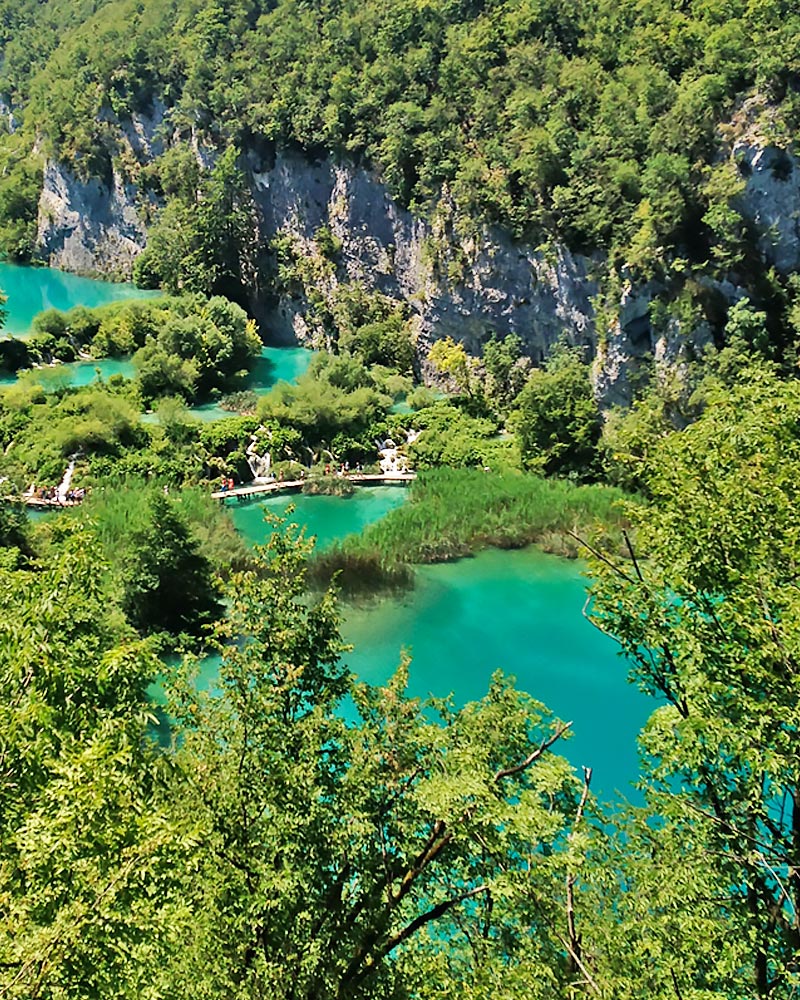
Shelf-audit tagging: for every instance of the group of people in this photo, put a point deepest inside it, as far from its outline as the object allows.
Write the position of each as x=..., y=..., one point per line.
x=227, y=484
x=51, y=494
x=343, y=470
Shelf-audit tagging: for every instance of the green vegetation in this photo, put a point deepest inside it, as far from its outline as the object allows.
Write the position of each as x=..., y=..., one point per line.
x=455, y=512
x=167, y=583
x=710, y=624
x=302, y=836
x=595, y=122
x=202, y=240
x=279, y=847
x=558, y=421
x=183, y=346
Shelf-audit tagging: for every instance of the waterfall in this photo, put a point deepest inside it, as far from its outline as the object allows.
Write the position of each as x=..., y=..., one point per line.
x=259, y=464
x=63, y=487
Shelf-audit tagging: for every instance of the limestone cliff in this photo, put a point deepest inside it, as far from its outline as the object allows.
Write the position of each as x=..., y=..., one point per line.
x=99, y=226
x=462, y=285
x=465, y=283
x=89, y=226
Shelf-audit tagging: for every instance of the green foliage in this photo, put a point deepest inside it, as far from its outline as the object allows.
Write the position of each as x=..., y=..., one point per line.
x=506, y=371
x=204, y=240
x=195, y=353
x=168, y=586
x=373, y=328
x=184, y=346
x=596, y=123
x=448, y=436
x=710, y=624
x=451, y=360
x=333, y=407
x=80, y=831
x=456, y=512
x=121, y=511
x=558, y=423
x=20, y=185
x=330, y=854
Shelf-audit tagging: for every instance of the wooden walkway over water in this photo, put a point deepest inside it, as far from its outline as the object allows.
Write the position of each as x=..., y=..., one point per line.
x=242, y=493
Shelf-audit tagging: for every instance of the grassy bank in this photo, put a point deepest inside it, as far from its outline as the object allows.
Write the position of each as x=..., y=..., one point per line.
x=456, y=512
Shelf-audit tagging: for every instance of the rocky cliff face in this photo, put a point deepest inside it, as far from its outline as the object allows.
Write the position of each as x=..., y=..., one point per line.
x=771, y=200
x=463, y=284
x=89, y=227
x=98, y=227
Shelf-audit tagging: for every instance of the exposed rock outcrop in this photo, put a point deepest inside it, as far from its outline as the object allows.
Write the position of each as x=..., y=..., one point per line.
x=462, y=285
x=98, y=226
x=771, y=200
x=89, y=227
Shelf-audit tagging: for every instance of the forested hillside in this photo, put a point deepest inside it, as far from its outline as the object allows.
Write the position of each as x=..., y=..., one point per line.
x=596, y=122
x=285, y=831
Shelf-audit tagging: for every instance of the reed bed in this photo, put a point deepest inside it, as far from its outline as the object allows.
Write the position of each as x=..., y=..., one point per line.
x=455, y=512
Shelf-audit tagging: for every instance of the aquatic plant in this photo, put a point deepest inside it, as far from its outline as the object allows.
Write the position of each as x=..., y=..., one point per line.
x=455, y=512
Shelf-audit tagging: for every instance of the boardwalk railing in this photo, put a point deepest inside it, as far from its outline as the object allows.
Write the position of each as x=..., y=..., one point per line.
x=356, y=478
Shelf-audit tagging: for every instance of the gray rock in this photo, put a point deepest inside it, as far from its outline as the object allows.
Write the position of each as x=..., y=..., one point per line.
x=771, y=200
x=463, y=286
x=87, y=226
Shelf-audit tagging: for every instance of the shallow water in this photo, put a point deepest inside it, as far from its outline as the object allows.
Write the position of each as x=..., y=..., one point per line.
x=31, y=290
x=327, y=518
x=517, y=611
x=274, y=365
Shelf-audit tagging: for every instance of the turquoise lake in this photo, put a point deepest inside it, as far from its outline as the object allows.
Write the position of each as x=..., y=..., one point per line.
x=328, y=518
x=31, y=290
x=275, y=364
x=516, y=611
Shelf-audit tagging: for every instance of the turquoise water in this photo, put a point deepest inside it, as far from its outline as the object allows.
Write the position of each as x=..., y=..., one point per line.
x=517, y=611
x=275, y=364
x=328, y=518
x=78, y=373
x=31, y=290
x=279, y=364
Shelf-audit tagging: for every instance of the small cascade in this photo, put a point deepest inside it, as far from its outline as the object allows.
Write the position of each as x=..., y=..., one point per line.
x=391, y=462
x=259, y=464
x=63, y=487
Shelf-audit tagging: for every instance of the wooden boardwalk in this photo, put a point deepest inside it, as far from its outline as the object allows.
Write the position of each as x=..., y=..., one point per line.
x=242, y=493
x=42, y=502
x=356, y=478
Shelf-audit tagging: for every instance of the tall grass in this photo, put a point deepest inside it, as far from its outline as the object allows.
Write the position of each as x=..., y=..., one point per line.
x=121, y=508
x=455, y=512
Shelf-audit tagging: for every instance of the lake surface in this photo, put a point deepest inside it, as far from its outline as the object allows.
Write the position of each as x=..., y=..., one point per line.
x=274, y=365
x=520, y=611
x=517, y=611
x=328, y=518
x=31, y=290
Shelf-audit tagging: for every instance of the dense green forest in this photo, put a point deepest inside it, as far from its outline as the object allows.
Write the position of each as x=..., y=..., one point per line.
x=291, y=833
x=596, y=122
x=276, y=846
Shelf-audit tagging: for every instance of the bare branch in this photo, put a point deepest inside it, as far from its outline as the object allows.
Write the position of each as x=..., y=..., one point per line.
x=599, y=555
x=508, y=772
x=574, y=937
